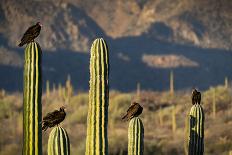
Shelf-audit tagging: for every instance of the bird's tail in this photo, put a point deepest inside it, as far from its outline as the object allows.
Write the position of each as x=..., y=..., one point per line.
x=125, y=117
x=20, y=45
x=44, y=128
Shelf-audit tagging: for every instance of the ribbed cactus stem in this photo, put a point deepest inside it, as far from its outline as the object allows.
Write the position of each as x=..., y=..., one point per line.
x=97, y=143
x=196, y=130
x=58, y=142
x=32, y=137
x=135, y=137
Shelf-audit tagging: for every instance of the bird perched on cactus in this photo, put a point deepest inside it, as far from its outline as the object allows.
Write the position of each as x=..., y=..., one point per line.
x=196, y=97
x=53, y=118
x=134, y=110
x=31, y=33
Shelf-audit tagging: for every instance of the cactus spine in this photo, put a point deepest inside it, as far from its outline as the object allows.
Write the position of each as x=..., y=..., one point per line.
x=135, y=137
x=196, y=130
x=96, y=142
x=58, y=142
x=32, y=136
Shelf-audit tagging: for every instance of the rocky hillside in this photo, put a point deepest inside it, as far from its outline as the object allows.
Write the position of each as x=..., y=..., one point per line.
x=70, y=24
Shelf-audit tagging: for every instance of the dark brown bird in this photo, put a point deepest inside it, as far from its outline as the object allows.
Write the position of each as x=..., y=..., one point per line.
x=53, y=118
x=31, y=33
x=196, y=97
x=134, y=110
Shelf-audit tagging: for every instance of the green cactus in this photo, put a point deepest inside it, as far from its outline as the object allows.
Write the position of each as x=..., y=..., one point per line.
x=97, y=142
x=135, y=137
x=196, y=130
x=58, y=142
x=32, y=136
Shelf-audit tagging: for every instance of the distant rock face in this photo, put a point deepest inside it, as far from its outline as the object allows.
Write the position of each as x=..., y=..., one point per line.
x=73, y=24
x=168, y=61
x=65, y=26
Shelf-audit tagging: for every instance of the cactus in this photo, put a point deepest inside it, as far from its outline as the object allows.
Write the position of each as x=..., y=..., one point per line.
x=32, y=136
x=171, y=84
x=60, y=90
x=97, y=142
x=47, y=89
x=138, y=96
x=68, y=90
x=58, y=142
x=135, y=137
x=196, y=130
x=226, y=83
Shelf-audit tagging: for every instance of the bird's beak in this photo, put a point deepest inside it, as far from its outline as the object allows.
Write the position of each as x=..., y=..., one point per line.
x=40, y=24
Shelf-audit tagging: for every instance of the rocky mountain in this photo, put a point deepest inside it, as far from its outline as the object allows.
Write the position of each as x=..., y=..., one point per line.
x=149, y=37
x=71, y=24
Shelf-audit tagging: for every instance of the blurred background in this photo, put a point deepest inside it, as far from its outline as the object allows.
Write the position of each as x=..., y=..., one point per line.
x=159, y=51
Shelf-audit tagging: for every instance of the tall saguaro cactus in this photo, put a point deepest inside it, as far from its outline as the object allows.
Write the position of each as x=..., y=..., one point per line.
x=97, y=143
x=58, y=142
x=32, y=136
x=135, y=137
x=196, y=130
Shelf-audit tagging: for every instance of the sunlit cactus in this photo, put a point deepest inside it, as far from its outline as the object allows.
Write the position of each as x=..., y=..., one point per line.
x=135, y=137
x=58, y=142
x=196, y=130
x=32, y=137
x=97, y=142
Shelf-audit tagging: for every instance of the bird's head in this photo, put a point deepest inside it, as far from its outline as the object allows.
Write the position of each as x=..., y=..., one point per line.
x=62, y=108
x=194, y=91
x=133, y=103
x=38, y=23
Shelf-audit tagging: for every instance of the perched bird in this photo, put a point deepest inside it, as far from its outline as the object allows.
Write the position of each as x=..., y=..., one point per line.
x=196, y=97
x=53, y=118
x=31, y=33
x=134, y=110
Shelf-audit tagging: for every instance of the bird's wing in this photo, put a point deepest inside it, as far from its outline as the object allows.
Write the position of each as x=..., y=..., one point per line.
x=51, y=115
x=29, y=31
x=132, y=109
